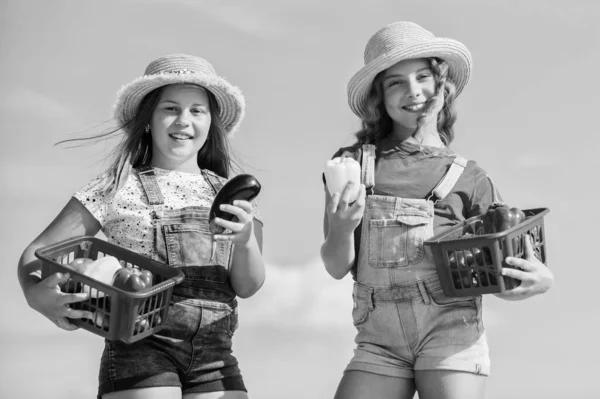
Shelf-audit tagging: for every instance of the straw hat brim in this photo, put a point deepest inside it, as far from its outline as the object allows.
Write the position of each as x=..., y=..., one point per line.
x=230, y=99
x=453, y=52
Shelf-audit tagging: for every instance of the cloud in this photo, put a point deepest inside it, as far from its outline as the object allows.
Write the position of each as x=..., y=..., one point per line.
x=305, y=295
x=23, y=99
x=244, y=18
x=300, y=295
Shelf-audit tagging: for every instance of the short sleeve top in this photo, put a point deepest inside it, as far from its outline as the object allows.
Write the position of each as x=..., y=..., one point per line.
x=126, y=218
x=407, y=170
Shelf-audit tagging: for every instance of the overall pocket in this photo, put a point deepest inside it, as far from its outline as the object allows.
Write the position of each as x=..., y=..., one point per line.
x=190, y=244
x=398, y=242
x=217, y=326
x=360, y=311
x=457, y=319
x=438, y=298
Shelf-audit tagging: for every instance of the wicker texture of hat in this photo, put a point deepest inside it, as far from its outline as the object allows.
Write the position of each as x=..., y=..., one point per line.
x=400, y=41
x=182, y=68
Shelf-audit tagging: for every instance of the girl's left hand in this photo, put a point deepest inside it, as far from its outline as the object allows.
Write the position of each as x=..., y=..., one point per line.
x=242, y=229
x=535, y=277
x=427, y=122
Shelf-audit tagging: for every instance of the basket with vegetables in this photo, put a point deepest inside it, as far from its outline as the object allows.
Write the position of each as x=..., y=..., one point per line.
x=469, y=257
x=129, y=294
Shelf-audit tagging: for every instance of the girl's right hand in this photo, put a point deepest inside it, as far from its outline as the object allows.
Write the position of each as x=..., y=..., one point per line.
x=343, y=217
x=47, y=298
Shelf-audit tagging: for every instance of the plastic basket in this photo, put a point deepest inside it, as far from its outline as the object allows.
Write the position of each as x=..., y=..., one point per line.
x=118, y=314
x=469, y=262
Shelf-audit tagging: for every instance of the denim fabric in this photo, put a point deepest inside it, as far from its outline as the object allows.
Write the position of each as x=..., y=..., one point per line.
x=183, y=240
x=408, y=171
x=396, y=231
x=416, y=327
x=194, y=349
x=403, y=319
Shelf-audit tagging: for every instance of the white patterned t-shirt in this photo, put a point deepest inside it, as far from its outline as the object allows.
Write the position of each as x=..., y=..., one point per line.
x=126, y=219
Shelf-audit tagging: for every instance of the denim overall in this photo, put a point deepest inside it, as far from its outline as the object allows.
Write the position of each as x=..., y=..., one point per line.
x=404, y=320
x=193, y=350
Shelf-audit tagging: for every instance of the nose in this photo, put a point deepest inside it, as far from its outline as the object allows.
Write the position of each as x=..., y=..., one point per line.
x=183, y=118
x=415, y=89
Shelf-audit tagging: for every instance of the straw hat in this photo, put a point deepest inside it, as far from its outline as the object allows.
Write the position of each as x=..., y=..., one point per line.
x=402, y=41
x=182, y=68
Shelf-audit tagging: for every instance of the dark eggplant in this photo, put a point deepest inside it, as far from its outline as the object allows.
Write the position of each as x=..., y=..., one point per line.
x=241, y=187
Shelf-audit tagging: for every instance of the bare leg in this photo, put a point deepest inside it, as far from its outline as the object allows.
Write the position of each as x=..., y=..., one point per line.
x=146, y=393
x=362, y=385
x=217, y=395
x=446, y=384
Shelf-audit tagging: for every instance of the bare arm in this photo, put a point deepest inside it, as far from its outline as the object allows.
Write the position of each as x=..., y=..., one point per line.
x=247, y=273
x=248, y=269
x=339, y=222
x=43, y=295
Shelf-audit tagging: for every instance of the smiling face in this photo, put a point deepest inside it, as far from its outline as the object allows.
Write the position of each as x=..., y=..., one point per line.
x=407, y=86
x=179, y=126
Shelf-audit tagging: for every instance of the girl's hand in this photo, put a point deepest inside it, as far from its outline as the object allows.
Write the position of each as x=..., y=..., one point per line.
x=241, y=230
x=343, y=217
x=429, y=118
x=47, y=298
x=535, y=277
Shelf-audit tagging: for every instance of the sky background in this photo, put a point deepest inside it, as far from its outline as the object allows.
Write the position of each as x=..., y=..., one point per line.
x=528, y=117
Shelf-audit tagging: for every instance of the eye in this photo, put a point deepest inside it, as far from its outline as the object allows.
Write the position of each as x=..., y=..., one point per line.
x=424, y=76
x=171, y=109
x=395, y=83
x=196, y=111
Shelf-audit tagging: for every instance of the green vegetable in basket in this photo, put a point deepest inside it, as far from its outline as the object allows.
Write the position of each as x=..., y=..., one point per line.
x=133, y=280
x=500, y=217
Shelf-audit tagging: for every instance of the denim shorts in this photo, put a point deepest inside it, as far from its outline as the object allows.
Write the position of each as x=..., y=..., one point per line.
x=192, y=351
x=416, y=327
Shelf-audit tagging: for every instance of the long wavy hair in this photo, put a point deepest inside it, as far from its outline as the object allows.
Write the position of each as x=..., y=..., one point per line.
x=135, y=148
x=377, y=123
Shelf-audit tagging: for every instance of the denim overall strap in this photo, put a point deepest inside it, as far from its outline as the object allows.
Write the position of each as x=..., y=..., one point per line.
x=368, y=167
x=447, y=183
x=151, y=189
x=393, y=232
x=215, y=181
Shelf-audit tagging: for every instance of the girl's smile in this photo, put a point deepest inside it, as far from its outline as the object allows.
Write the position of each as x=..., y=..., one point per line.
x=417, y=108
x=407, y=86
x=180, y=125
x=181, y=136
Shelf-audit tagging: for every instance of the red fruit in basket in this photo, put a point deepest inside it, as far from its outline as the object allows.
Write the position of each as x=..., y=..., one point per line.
x=461, y=259
x=501, y=217
x=133, y=280
x=482, y=257
x=456, y=280
x=466, y=278
x=463, y=279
